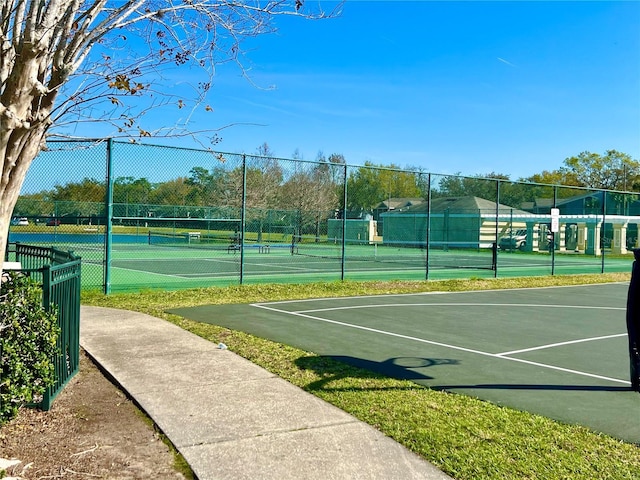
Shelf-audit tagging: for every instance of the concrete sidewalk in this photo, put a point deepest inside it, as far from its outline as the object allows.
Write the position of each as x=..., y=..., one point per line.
x=232, y=419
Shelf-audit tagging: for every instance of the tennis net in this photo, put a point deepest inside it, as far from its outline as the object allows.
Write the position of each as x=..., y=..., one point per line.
x=193, y=240
x=411, y=254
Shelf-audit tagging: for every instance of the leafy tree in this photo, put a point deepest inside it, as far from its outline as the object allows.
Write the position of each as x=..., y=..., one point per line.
x=612, y=171
x=129, y=194
x=62, y=63
x=482, y=186
x=451, y=186
x=87, y=190
x=553, y=177
x=337, y=164
x=543, y=185
x=173, y=192
x=512, y=194
x=34, y=205
x=371, y=184
x=80, y=199
x=131, y=190
x=202, y=185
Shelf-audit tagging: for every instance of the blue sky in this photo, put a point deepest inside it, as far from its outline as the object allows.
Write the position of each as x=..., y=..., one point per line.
x=471, y=87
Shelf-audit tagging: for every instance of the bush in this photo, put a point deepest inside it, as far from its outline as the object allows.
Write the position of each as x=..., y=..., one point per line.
x=28, y=335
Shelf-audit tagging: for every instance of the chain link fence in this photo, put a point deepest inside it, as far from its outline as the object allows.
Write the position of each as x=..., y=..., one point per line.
x=144, y=216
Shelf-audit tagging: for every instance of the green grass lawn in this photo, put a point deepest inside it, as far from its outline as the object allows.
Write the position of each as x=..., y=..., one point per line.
x=465, y=437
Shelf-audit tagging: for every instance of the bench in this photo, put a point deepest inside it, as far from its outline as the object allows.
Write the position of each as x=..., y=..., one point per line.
x=236, y=247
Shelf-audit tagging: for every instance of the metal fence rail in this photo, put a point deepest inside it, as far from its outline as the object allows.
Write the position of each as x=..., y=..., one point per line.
x=59, y=273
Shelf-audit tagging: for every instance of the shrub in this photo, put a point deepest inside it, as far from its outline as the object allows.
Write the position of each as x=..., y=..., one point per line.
x=28, y=335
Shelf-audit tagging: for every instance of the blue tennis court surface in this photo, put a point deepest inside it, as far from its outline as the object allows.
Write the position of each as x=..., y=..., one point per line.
x=559, y=352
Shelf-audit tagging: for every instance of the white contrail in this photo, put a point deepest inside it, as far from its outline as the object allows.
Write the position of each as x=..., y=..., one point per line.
x=506, y=62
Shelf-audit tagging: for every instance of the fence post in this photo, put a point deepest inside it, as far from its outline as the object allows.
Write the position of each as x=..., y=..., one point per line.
x=108, y=218
x=47, y=397
x=602, y=230
x=343, y=257
x=553, y=234
x=243, y=216
x=428, y=227
x=497, y=232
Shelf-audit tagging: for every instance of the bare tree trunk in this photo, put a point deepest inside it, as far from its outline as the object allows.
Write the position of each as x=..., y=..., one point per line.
x=20, y=151
x=4, y=227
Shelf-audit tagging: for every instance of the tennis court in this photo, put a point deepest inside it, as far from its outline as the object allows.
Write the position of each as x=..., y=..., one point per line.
x=203, y=264
x=184, y=259
x=200, y=259
x=559, y=352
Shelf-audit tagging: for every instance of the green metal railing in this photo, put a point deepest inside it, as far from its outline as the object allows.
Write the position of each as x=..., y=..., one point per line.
x=59, y=274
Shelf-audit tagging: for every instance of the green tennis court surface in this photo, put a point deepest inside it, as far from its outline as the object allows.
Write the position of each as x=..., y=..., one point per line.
x=193, y=260
x=149, y=266
x=559, y=352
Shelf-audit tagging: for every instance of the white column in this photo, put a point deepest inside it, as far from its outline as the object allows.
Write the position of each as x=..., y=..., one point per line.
x=619, y=244
x=562, y=246
x=593, y=239
x=582, y=237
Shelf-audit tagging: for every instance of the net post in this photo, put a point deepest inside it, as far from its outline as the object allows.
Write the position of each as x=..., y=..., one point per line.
x=494, y=256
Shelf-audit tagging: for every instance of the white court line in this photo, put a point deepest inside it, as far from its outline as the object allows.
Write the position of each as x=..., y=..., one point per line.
x=284, y=267
x=181, y=276
x=259, y=264
x=511, y=305
x=171, y=275
x=445, y=345
x=386, y=295
x=561, y=344
x=463, y=292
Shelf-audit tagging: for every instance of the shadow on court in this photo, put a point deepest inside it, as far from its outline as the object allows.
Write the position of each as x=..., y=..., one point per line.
x=400, y=367
x=403, y=368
